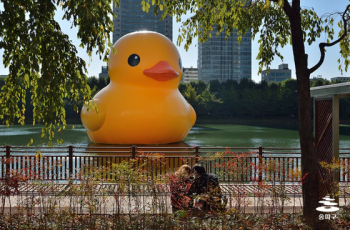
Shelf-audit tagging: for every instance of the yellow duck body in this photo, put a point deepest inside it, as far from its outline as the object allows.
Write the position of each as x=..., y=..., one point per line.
x=142, y=103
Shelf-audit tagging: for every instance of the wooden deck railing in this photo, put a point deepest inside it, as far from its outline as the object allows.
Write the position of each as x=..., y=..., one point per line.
x=232, y=164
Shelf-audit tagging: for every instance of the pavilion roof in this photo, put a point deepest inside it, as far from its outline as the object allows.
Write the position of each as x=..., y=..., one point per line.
x=341, y=89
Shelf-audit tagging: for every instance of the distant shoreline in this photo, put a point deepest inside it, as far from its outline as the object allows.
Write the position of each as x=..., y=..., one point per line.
x=270, y=121
x=286, y=122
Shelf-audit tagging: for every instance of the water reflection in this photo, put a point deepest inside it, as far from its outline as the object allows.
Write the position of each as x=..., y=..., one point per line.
x=16, y=130
x=113, y=150
x=201, y=135
x=344, y=130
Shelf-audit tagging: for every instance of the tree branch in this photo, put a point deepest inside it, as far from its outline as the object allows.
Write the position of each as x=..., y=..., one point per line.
x=287, y=8
x=322, y=45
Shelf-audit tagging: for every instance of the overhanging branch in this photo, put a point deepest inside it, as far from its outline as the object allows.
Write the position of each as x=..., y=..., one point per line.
x=322, y=45
x=286, y=7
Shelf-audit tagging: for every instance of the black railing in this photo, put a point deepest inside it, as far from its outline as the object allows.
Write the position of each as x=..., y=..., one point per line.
x=232, y=164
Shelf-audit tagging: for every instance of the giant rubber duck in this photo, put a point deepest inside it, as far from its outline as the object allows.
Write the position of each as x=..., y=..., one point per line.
x=142, y=103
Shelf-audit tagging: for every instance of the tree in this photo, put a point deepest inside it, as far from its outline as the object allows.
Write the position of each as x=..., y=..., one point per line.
x=208, y=101
x=214, y=86
x=2, y=81
x=320, y=82
x=41, y=57
x=200, y=86
x=202, y=102
x=288, y=95
x=278, y=22
x=182, y=87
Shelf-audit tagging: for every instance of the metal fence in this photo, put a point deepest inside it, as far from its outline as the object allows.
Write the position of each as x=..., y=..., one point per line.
x=232, y=164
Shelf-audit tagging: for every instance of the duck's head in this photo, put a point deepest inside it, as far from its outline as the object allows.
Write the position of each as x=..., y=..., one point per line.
x=145, y=59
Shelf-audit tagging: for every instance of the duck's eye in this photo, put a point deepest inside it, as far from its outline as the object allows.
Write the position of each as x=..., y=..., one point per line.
x=180, y=63
x=134, y=60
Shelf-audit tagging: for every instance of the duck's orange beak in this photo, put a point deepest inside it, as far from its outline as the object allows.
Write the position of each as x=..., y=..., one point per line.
x=162, y=71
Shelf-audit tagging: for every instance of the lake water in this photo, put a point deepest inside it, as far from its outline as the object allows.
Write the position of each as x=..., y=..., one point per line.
x=201, y=135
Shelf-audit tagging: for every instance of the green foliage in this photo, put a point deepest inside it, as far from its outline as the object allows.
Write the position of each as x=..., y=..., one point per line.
x=245, y=99
x=320, y=82
x=203, y=102
x=345, y=50
x=191, y=95
x=2, y=82
x=200, y=86
x=290, y=84
x=96, y=84
x=43, y=61
x=221, y=100
x=214, y=86
x=182, y=87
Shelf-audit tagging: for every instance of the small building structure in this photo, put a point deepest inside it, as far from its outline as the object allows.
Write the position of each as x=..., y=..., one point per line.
x=326, y=124
x=189, y=74
x=104, y=72
x=277, y=75
x=315, y=78
x=340, y=79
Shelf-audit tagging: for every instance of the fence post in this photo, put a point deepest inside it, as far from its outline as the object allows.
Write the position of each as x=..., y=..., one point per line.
x=70, y=158
x=133, y=156
x=197, y=153
x=260, y=163
x=8, y=155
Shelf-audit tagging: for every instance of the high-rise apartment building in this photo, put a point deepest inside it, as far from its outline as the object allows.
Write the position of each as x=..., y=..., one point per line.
x=225, y=59
x=131, y=18
x=104, y=72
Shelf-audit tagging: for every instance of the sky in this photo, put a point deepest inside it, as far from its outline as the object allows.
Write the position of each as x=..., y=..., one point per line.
x=328, y=70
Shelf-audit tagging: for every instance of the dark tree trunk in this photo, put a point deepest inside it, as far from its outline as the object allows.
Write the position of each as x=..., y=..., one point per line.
x=309, y=164
x=308, y=150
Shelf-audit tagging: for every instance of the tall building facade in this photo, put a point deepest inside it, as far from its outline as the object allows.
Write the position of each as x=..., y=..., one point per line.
x=277, y=75
x=225, y=59
x=104, y=72
x=131, y=18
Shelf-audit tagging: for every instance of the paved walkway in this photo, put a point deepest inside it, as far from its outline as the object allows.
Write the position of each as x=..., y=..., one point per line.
x=229, y=189
x=107, y=198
